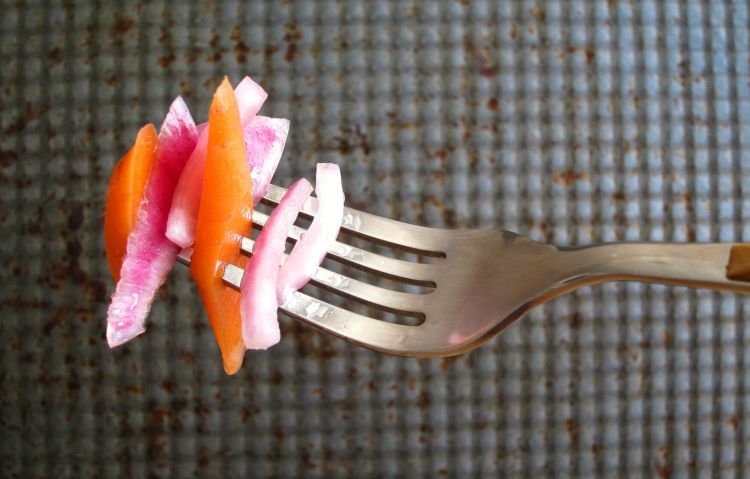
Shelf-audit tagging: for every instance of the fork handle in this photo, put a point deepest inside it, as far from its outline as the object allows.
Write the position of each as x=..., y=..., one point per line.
x=721, y=266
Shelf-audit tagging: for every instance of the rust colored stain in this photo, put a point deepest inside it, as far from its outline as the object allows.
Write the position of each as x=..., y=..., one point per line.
x=7, y=158
x=666, y=339
x=291, y=51
x=269, y=51
x=159, y=414
x=166, y=60
x=112, y=80
x=185, y=88
x=30, y=114
x=56, y=55
x=540, y=15
x=691, y=234
x=124, y=25
x=56, y=320
x=590, y=54
x=75, y=218
x=663, y=471
x=291, y=35
x=734, y=422
x=568, y=177
x=481, y=58
x=738, y=267
x=514, y=32
x=240, y=52
x=214, y=42
x=167, y=386
x=423, y=400
x=492, y=104
x=351, y=139
x=192, y=55
x=684, y=66
x=240, y=48
x=306, y=344
x=572, y=429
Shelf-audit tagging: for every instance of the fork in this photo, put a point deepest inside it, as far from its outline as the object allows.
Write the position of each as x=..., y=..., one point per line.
x=482, y=281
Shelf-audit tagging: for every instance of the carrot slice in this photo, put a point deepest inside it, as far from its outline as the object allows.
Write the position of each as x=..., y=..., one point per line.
x=124, y=195
x=224, y=217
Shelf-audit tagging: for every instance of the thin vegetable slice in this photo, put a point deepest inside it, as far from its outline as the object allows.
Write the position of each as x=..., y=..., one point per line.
x=124, y=195
x=223, y=219
x=310, y=250
x=265, y=138
x=186, y=200
x=150, y=255
x=260, y=325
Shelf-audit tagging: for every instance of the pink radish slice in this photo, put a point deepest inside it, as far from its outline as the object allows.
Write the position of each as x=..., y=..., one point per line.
x=258, y=305
x=187, y=195
x=150, y=255
x=265, y=139
x=310, y=250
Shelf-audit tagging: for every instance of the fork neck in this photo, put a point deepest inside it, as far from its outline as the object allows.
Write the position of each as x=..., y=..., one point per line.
x=692, y=265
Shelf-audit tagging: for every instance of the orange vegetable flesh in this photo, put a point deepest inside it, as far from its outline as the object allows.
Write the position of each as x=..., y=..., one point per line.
x=224, y=217
x=124, y=196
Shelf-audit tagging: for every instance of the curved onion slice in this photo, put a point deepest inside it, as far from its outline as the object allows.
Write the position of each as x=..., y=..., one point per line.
x=310, y=250
x=150, y=255
x=186, y=200
x=258, y=305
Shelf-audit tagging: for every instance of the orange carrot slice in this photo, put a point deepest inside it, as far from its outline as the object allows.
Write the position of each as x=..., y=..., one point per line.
x=224, y=216
x=124, y=195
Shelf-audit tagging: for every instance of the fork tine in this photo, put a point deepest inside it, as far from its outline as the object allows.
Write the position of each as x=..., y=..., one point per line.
x=383, y=230
x=355, y=328
x=386, y=299
x=413, y=273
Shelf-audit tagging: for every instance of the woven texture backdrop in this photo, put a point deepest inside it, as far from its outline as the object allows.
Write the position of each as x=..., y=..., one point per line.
x=570, y=121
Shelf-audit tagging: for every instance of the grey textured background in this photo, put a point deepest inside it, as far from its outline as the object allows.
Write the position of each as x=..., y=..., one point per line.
x=570, y=121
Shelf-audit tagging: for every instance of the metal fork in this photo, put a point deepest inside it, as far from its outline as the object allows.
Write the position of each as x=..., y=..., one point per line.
x=483, y=280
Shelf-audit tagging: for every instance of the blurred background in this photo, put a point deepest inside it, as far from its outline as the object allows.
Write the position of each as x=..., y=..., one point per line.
x=570, y=121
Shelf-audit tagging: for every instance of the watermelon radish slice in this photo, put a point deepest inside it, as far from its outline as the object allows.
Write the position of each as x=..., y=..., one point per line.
x=260, y=325
x=186, y=200
x=265, y=139
x=310, y=250
x=150, y=255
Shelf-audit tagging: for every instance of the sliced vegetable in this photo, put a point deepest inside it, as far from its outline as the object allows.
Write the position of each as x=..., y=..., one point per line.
x=186, y=200
x=260, y=325
x=150, y=255
x=124, y=195
x=265, y=138
x=223, y=219
x=310, y=250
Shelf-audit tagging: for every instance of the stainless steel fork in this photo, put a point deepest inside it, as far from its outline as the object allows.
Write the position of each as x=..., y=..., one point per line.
x=482, y=280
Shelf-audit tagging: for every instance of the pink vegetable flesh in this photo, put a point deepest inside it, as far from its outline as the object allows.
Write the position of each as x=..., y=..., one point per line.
x=265, y=139
x=150, y=255
x=187, y=195
x=310, y=250
x=258, y=304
